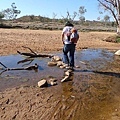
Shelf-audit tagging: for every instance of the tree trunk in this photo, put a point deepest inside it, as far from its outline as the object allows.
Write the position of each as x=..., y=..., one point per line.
x=118, y=29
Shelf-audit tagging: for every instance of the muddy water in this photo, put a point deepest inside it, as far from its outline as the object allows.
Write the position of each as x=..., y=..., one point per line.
x=93, y=59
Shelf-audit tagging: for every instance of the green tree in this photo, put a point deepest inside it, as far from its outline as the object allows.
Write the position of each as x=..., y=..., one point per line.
x=82, y=11
x=32, y=17
x=1, y=16
x=82, y=19
x=11, y=13
x=106, y=19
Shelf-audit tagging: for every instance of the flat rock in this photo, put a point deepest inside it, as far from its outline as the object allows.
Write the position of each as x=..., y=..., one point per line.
x=57, y=58
x=67, y=73
x=62, y=67
x=59, y=63
x=53, y=83
x=42, y=83
x=51, y=63
x=117, y=52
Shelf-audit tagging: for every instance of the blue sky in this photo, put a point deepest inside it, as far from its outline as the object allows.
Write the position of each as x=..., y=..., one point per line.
x=48, y=7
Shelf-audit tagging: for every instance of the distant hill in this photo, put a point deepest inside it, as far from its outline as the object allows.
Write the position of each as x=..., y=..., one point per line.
x=32, y=18
x=39, y=22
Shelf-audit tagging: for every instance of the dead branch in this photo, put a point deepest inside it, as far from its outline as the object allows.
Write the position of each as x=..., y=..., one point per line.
x=30, y=50
x=33, y=54
x=26, y=54
x=33, y=67
x=3, y=65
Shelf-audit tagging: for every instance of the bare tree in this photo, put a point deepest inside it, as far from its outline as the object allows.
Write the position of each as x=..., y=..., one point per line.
x=69, y=16
x=114, y=7
x=74, y=15
x=54, y=16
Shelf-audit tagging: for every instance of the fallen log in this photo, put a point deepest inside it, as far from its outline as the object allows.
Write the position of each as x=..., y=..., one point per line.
x=32, y=67
x=33, y=54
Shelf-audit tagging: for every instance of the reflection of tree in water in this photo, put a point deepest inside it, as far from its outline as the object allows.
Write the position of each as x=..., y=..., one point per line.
x=28, y=60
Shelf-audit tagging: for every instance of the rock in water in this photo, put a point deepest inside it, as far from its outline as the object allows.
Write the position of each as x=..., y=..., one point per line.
x=53, y=81
x=67, y=73
x=117, y=52
x=65, y=79
x=42, y=83
x=52, y=63
x=59, y=63
x=56, y=58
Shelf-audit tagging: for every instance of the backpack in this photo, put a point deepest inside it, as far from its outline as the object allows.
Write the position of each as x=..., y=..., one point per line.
x=74, y=35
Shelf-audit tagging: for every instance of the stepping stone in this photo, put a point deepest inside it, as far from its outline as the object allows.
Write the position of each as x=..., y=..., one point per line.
x=70, y=71
x=52, y=63
x=43, y=83
x=56, y=58
x=117, y=52
x=59, y=63
x=65, y=79
x=62, y=67
x=67, y=73
x=53, y=81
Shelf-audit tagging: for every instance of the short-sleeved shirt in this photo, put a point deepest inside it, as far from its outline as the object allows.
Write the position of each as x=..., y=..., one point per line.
x=66, y=29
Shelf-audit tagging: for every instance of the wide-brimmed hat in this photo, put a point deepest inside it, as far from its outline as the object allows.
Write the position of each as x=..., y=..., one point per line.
x=68, y=23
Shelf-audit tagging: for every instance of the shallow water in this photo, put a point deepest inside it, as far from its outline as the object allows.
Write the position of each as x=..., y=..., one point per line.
x=89, y=60
x=91, y=94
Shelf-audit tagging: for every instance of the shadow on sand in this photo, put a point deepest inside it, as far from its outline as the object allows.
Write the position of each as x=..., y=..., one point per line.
x=114, y=74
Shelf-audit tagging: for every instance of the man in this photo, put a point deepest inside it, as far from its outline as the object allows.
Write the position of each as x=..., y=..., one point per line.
x=69, y=46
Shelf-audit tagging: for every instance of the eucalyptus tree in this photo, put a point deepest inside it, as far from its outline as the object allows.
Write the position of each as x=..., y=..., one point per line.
x=1, y=17
x=82, y=11
x=11, y=13
x=114, y=7
x=106, y=19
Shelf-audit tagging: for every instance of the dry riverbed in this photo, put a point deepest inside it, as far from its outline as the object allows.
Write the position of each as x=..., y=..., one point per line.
x=92, y=94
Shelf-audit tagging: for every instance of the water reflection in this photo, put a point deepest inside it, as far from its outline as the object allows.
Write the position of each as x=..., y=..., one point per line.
x=93, y=60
